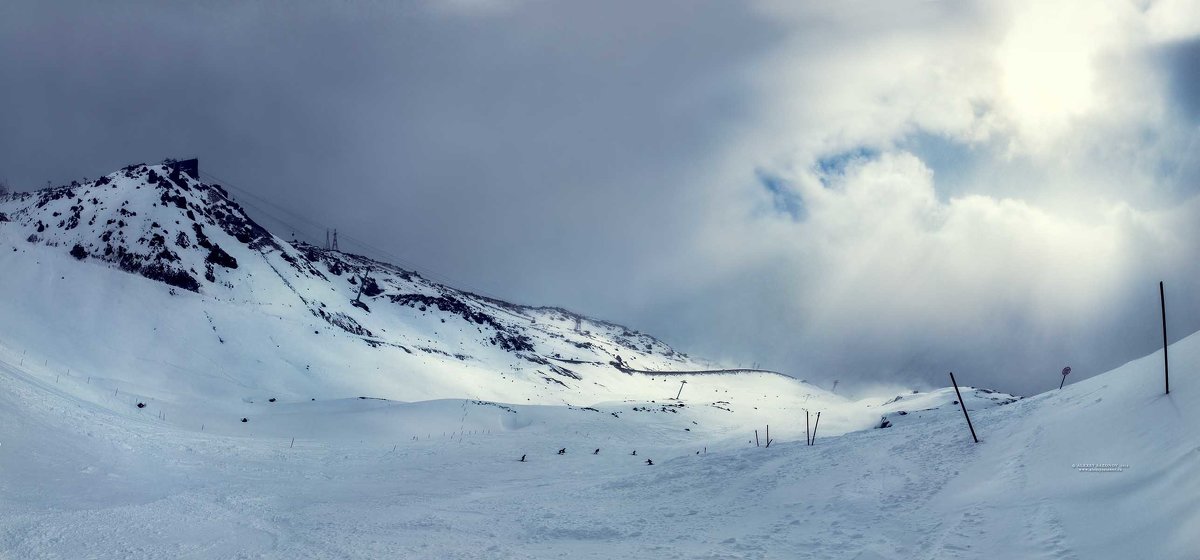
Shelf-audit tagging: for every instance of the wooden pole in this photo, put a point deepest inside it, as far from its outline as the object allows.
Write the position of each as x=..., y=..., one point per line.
x=964, y=407
x=815, y=424
x=1162, y=301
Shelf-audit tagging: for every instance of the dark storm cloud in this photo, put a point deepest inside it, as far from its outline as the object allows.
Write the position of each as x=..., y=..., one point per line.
x=840, y=191
x=1183, y=67
x=530, y=152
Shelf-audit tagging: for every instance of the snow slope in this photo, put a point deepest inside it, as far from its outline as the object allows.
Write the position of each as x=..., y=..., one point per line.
x=159, y=285
x=385, y=432
x=80, y=480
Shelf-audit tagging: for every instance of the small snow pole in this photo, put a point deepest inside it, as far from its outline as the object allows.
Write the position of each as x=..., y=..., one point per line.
x=768, y=435
x=815, y=424
x=964, y=408
x=681, y=384
x=756, y=438
x=1065, y=372
x=293, y=444
x=522, y=458
x=807, y=435
x=596, y=452
x=649, y=462
x=1162, y=302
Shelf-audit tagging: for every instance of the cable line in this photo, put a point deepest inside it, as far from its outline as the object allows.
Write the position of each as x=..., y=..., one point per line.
x=391, y=257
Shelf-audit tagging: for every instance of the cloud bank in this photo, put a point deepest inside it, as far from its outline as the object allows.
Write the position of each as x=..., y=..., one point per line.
x=868, y=192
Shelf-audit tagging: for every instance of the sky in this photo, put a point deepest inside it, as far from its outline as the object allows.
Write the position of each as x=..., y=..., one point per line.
x=875, y=193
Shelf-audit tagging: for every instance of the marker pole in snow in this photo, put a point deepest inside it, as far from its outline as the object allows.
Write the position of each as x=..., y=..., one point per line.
x=815, y=425
x=807, y=435
x=964, y=408
x=681, y=384
x=1065, y=371
x=1162, y=301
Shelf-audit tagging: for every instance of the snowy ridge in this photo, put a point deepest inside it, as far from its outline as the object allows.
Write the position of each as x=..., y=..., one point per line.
x=227, y=317
x=152, y=220
x=166, y=225
x=161, y=223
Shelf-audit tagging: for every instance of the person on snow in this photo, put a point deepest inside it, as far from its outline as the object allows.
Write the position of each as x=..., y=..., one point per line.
x=634, y=452
x=522, y=458
x=596, y=452
x=649, y=462
x=562, y=451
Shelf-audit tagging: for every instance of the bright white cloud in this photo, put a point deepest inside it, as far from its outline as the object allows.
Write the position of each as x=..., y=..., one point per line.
x=1062, y=216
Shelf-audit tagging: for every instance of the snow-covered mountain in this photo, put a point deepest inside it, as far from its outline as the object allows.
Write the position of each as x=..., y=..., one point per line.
x=175, y=381
x=253, y=291
x=157, y=284
x=161, y=222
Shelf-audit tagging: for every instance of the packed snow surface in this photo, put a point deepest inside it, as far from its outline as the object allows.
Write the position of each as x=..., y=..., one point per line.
x=395, y=429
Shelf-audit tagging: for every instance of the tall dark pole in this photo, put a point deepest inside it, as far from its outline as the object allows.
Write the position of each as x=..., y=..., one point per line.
x=964, y=407
x=1162, y=301
x=815, y=425
x=807, y=436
